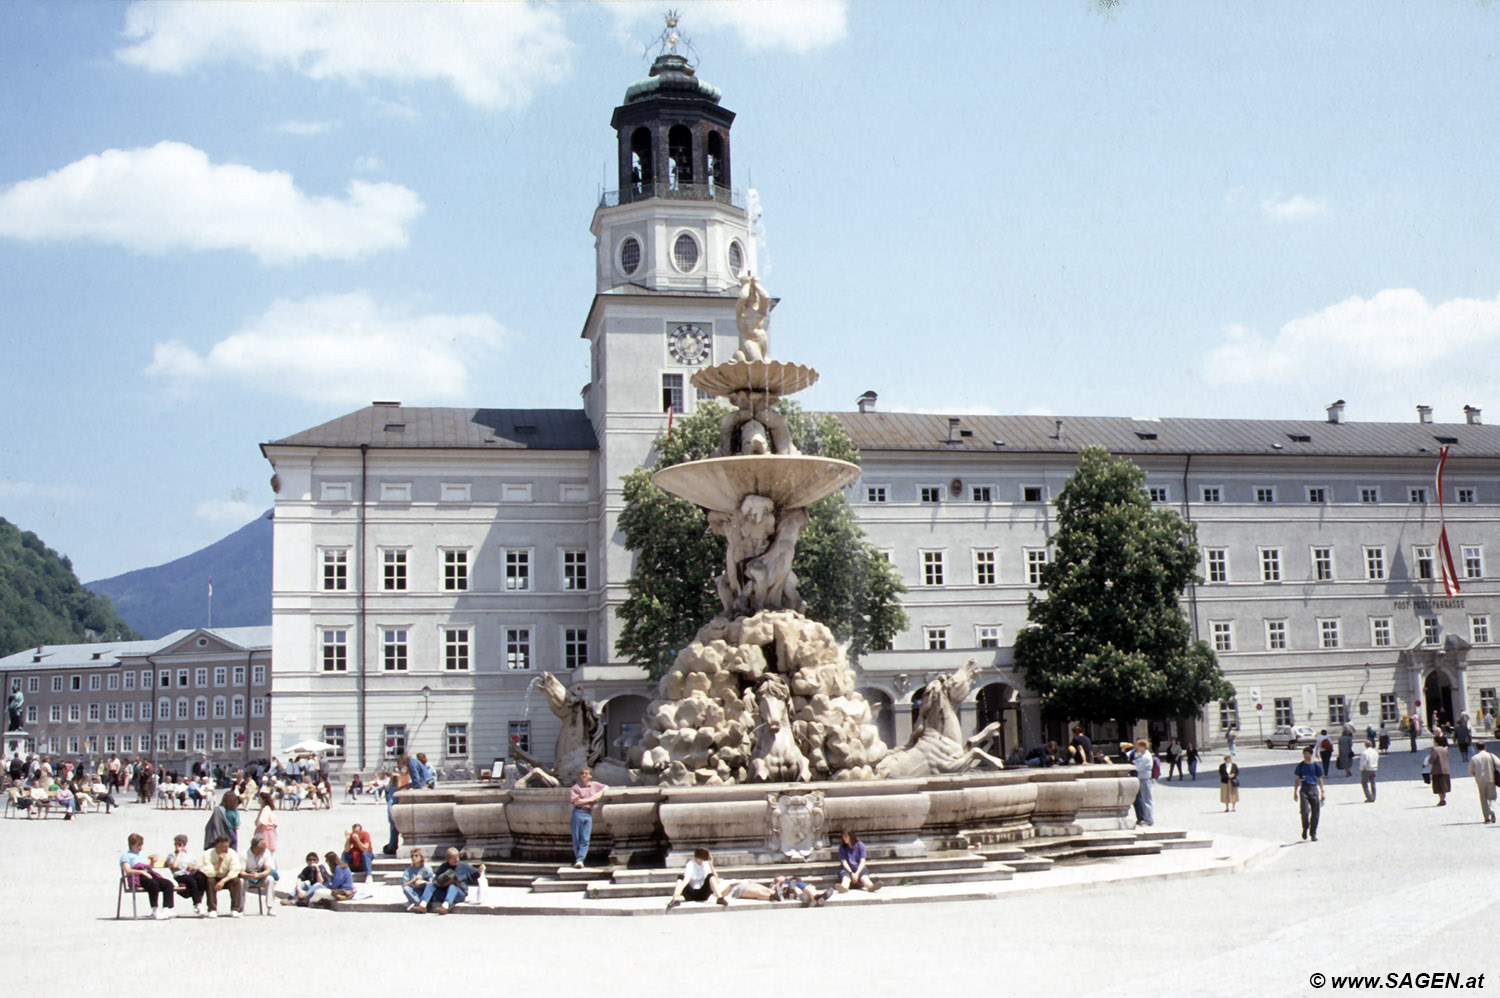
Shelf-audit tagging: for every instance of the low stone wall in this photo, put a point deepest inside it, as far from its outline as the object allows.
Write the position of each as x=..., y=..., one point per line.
x=766, y=822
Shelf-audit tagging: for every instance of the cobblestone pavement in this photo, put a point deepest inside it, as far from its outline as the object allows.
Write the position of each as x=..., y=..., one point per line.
x=1396, y=886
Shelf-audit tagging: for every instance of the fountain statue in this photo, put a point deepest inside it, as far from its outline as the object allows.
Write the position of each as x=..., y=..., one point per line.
x=580, y=740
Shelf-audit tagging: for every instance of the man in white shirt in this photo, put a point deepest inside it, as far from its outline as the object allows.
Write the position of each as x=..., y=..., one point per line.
x=1482, y=767
x=1369, y=762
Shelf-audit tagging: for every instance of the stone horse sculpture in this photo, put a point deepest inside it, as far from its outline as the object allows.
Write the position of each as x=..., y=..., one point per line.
x=580, y=741
x=937, y=744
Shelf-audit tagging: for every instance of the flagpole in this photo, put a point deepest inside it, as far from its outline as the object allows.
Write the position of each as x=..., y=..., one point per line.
x=210, y=601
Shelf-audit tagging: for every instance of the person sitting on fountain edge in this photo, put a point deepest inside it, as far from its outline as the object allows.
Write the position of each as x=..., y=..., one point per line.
x=698, y=882
x=852, y=864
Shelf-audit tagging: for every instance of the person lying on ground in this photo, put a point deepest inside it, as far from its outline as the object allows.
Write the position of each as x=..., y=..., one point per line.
x=797, y=889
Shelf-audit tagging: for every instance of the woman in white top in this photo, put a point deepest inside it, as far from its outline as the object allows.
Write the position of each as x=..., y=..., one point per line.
x=698, y=882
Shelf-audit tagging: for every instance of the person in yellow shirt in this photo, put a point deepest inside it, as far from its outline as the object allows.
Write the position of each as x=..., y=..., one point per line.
x=221, y=867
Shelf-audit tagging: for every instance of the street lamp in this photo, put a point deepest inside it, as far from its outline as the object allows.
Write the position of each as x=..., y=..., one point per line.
x=426, y=701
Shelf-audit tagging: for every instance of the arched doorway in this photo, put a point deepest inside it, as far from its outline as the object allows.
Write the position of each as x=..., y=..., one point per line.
x=1437, y=700
x=999, y=702
x=881, y=706
x=622, y=724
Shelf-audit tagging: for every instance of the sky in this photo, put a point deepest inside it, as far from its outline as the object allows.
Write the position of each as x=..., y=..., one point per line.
x=221, y=224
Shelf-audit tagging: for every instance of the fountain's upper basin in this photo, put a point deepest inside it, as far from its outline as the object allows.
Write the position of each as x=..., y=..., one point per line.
x=788, y=480
x=774, y=378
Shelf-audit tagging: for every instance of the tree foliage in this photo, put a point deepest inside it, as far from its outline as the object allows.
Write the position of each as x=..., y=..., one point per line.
x=41, y=600
x=1110, y=640
x=845, y=582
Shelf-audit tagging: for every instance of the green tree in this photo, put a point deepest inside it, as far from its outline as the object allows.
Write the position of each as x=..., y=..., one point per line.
x=845, y=582
x=41, y=600
x=1110, y=640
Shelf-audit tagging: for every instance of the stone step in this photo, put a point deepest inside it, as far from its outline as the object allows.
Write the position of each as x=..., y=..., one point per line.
x=545, y=886
x=1107, y=851
x=810, y=871
x=986, y=872
x=1185, y=843
x=1159, y=834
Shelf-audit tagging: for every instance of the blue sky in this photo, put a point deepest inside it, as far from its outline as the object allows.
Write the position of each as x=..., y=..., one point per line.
x=221, y=224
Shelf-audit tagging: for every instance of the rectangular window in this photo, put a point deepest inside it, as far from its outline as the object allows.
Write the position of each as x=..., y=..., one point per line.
x=1218, y=564
x=575, y=647
x=515, y=492
x=518, y=733
x=987, y=635
x=145, y=710
x=517, y=571
x=1473, y=558
x=221, y=676
x=455, y=570
x=127, y=710
x=111, y=743
x=200, y=709
x=576, y=570
x=518, y=648
x=145, y=679
x=983, y=493
x=1223, y=631
x=393, y=570
x=456, y=649
x=1488, y=701
x=930, y=493
x=1390, y=713
x=237, y=707
x=1036, y=560
x=454, y=492
x=1432, y=630
x=1328, y=633
x=1229, y=714
x=1465, y=495
x=1265, y=493
x=127, y=743
x=395, y=740
x=1479, y=629
x=932, y=568
x=184, y=707
x=218, y=740
x=1322, y=559
x=393, y=648
x=112, y=711
x=73, y=745
x=1275, y=635
x=875, y=493
x=335, y=642
x=1369, y=493
x=1421, y=559
x=1317, y=494
x=1033, y=493
x=395, y=491
x=458, y=740
x=182, y=678
x=129, y=678
x=75, y=712
x=257, y=706
x=1270, y=564
x=335, y=491
x=1338, y=710
x=984, y=567
x=1416, y=493
x=31, y=713
x=333, y=734
x=239, y=676
x=221, y=708
x=200, y=677
x=54, y=713
x=1212, y=493
x=1283, y=710
x=57, y=684
x=76, y=682
x=257, y=675
x=1374, y=564
x=113, y=681
x=1380, y=632
x=937, y=638
x=671, y=393
x=200, y=741
x=1158, y=493
x=257, y=741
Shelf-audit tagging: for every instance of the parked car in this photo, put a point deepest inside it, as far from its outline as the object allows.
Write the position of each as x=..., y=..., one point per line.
x=1290, y=737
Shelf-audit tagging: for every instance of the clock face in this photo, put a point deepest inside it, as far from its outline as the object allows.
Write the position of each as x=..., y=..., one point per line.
x=689, y=344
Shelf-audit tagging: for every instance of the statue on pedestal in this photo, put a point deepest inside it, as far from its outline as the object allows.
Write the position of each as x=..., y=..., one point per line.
x=15, y=706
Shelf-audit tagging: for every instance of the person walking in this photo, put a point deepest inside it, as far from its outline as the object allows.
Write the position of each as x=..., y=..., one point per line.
x=1346, y=750
x=1442, y=770
x=1229, y=738
x=1141, y=758
x=1483, y=767
x=1307, y=791
x=1325, y=750
x=1463, y=736
x=583, y=796
x=1174, y=760
x=1413, y=729
x=1192, y=761
x=1369, y=764
x=1229, y=783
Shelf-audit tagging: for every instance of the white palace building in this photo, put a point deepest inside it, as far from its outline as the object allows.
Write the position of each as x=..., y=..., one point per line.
x=430, y=562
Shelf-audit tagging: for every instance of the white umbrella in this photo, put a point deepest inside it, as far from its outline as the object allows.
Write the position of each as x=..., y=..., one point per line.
x=311, y=745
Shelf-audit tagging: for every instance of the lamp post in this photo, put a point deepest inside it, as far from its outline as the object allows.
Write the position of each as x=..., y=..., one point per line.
x=426, y=701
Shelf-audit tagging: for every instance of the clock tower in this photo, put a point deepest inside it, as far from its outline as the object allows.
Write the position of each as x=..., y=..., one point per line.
x=671, y=244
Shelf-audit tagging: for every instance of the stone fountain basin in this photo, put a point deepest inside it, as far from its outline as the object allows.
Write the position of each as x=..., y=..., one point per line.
x=901, y=816
x=788, y=480
x=773, y=378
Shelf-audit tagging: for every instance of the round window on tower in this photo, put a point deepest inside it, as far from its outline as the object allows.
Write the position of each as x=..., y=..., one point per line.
x=736, y=258
x=630, y=255
x=685, y=253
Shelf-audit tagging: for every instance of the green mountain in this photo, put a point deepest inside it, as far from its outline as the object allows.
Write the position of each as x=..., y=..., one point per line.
x=161, y=599
x=41, y=600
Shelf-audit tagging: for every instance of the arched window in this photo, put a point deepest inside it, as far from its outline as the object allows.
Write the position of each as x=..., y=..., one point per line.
x=680, y=152
x=641, y=176
x=200, y=708
x=221, y=708
x=718, y=166
x=237, y=707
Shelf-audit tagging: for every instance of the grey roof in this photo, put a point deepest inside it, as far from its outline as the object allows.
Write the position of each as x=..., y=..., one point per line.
x=104, y=653
x=408, y=427
x=899, y=431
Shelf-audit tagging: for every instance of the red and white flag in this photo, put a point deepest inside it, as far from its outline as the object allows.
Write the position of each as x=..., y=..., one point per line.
x=1445, y=553
x=210, y=585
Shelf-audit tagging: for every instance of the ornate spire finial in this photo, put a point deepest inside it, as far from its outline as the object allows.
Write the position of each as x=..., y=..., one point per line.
x=669, y=38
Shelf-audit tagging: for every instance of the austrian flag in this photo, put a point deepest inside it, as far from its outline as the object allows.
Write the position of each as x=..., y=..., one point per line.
x=1445, y=554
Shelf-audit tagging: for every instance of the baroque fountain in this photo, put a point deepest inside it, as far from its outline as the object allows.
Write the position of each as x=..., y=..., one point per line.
x=759, y=745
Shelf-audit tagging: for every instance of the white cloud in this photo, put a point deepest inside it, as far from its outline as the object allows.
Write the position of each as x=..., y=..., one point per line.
x=369, y=164
x=296, y=127
x=344, y=348
x=796, y=27
x=1294, y=208
x=228, y=511
x=170, y=197
x=1384, y=351
x=493, y=55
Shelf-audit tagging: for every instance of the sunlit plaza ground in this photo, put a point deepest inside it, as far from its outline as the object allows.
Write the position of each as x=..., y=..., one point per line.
x=1395, y=886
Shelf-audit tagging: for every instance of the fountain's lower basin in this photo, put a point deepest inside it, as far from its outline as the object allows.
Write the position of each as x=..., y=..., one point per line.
x=652, y=823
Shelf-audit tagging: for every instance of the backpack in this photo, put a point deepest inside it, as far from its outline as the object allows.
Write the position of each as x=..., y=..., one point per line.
x=1155, y=768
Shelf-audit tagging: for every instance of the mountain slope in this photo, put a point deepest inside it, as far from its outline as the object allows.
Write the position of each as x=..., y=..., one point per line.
x=159, y=600
x=41, y=600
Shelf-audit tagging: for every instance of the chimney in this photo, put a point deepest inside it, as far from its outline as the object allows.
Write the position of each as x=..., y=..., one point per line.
x=1471, y=415
x=866, y=402
x=1424, y=413
x=1336, y=411
x=1057, y=429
